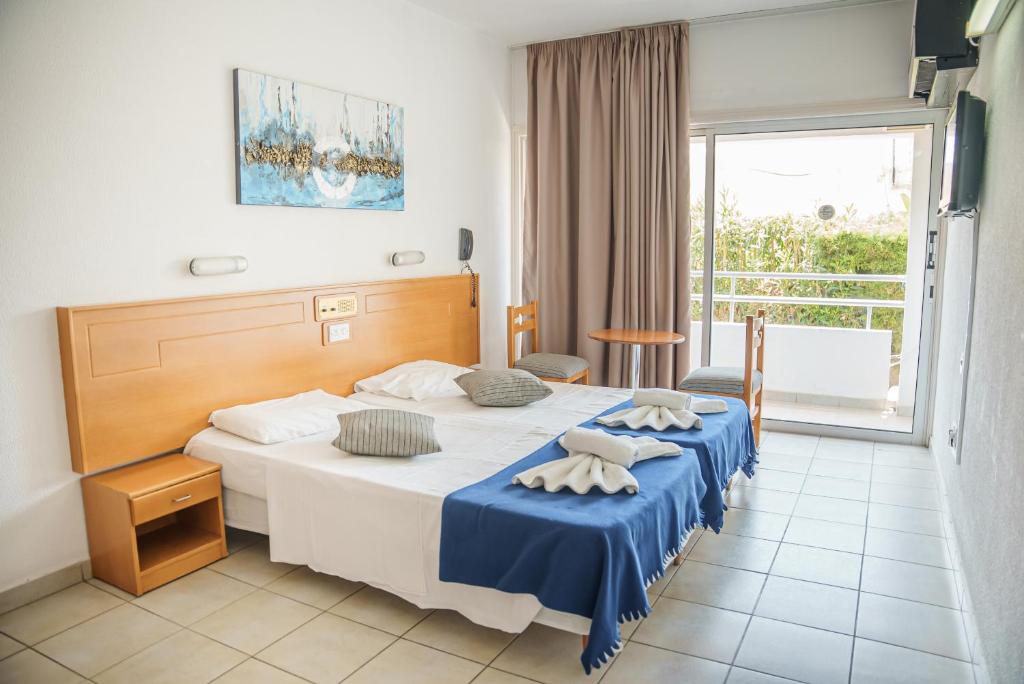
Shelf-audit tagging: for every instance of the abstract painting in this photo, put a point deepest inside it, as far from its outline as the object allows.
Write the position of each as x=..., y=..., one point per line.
x=303, y=146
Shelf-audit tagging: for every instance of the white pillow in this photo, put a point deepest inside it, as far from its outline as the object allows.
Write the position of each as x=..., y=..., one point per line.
x=279, y=420
x=416, y=380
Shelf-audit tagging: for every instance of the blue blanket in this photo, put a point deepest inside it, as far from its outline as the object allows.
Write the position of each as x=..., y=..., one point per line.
x=725, y=445
x=592, y=555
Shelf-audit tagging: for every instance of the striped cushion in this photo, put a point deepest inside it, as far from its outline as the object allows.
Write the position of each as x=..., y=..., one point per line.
x=511, y=387
x=722, y=379
x=552, y=365
x=386, y=432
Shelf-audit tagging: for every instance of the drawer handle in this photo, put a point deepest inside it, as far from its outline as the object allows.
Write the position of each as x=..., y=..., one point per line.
x=181, y=498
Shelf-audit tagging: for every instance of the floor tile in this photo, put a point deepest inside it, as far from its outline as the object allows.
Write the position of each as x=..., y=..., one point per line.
x=492, y=676
x=659, y=585
x=778, y=480
x=746, y=523
x=449, y=631
x=836, y=487
x=314, y=588
x=255, y=621
x=253, y=565
x=40, y=619
x=888, y=455
x=8, y=646
x=831, y=509
x=898, y=495
x=908, y=477
x=876, y=663
x=802, y=653
x=745, y=553
x=375, y=608
x=855, y=451
x=767, y=500
x=715, y=585
x=906, y=546
x=255, y=672
x=846, y=470
x=240, y=539
x=404, y=662
x=825, y=534
x=28, y=667
x=837, y=568
x=809, y=604
x=909, y=581
x=548, y=655
x=641, y=664
x=111, y=589
x=786, y=462
x=194, y=596
x=787, y=443
x=107, y=639
x=326, y=649
x=182, y=657
x=741, y=676
x=917, y=520
x=913, y=625
x=693, y=629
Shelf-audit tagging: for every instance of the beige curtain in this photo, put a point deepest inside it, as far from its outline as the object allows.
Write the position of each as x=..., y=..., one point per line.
x=606, y=241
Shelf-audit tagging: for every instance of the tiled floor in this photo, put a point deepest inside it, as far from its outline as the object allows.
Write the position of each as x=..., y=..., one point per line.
x=832, y=567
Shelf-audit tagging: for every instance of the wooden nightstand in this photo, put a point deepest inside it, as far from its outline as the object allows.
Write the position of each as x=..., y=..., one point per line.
x=154, y=521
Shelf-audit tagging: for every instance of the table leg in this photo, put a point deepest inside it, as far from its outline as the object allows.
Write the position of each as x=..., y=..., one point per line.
x=634, y=366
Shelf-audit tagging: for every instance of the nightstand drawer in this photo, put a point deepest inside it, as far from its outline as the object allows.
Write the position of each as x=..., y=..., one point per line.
x=175, y=498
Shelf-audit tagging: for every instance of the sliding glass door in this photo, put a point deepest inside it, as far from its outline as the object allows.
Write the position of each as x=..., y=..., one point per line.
x=827, y=230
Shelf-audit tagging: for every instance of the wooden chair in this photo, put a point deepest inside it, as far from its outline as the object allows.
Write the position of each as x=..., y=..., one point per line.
x=550, y=367
x=746, y=383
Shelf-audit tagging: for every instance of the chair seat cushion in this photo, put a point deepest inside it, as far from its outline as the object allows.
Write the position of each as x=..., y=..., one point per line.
x=552, y=365
x=721, y=379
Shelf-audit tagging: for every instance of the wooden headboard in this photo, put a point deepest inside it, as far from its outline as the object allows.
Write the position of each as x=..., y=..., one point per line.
x=141, y=378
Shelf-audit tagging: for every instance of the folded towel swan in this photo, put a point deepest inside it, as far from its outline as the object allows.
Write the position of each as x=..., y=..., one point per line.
x=660, y=409
x=596, y=459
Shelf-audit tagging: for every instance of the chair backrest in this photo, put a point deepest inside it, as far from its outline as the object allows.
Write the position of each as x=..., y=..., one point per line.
x=753, y=357
x=522, y=319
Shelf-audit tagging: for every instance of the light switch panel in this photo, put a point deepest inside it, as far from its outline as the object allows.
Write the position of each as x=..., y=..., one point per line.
x=336, y=332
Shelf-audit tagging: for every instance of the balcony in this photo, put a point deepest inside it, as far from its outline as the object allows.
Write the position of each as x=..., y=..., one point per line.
x=836, y=375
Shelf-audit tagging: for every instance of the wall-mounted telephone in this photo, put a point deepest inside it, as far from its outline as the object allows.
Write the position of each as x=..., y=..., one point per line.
x=465, y=254
x=465, y=244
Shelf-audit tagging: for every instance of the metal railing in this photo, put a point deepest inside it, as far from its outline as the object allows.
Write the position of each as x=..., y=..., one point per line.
x=868, y=304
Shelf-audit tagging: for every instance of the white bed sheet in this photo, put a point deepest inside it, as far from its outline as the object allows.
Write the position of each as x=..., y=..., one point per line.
x=378, y=520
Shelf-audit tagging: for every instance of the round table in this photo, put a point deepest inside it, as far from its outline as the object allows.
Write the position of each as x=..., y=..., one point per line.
x=636, y=339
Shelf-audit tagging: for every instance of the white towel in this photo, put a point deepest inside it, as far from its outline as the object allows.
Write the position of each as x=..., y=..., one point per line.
x=581, y=472
x=615, y=448
x=655, y=417
x=657, y=396
x=708, y=405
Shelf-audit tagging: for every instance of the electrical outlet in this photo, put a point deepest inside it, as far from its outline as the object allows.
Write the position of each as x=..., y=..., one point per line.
x=336, y=332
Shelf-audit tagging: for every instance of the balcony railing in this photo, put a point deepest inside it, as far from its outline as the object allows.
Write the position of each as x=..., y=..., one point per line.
x=868, y=304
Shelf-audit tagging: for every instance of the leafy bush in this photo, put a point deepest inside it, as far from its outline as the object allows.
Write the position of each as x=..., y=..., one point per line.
x=791, y=243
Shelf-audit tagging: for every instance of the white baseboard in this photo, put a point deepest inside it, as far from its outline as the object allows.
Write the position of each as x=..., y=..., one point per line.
x=35, y=589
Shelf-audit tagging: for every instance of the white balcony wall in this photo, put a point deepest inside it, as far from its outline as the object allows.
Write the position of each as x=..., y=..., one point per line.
x=818, y=363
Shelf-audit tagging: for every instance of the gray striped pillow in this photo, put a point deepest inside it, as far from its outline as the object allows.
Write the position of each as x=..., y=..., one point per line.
x=386, y=432
x=510, y=387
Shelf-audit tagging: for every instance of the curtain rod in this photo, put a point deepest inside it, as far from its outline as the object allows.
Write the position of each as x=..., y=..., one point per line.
x=719, y=18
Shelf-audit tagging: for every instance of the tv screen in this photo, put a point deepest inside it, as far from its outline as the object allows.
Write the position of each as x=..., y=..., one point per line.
x=962, y=156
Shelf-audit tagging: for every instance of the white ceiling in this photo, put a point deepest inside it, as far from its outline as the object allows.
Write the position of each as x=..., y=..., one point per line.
x=528, y=21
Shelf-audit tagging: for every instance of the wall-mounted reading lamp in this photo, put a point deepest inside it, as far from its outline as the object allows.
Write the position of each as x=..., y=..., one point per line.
x=408, y=258
x=206, y=266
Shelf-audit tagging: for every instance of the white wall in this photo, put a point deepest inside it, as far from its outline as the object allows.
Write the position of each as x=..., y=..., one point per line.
x=986, y=491
x=833, y=61
x=117, y=166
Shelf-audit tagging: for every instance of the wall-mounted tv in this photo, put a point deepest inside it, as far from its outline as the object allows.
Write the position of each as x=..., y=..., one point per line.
x=962, y=157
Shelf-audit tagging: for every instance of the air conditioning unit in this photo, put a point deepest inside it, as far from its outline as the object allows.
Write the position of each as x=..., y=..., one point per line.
x=943, y=57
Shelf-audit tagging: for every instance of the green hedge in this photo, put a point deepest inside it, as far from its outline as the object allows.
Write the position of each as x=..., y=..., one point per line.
x=792, y=243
